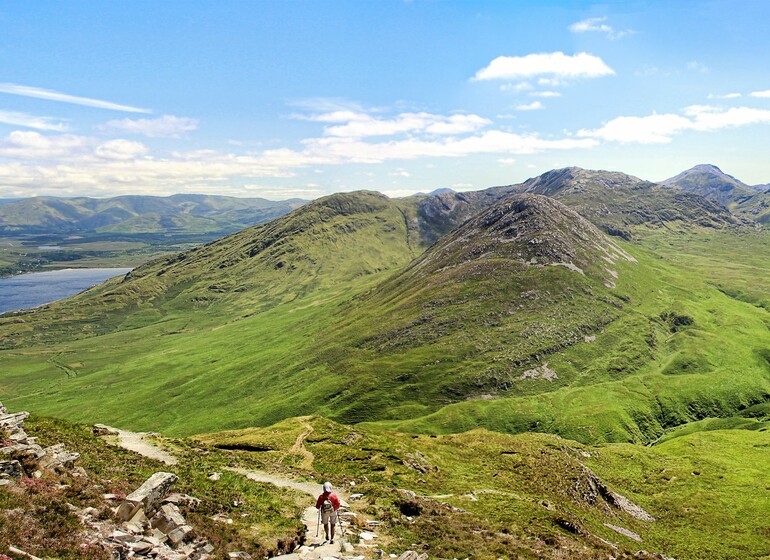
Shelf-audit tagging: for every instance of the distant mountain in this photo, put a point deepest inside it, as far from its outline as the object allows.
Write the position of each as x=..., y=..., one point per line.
x=182, y=213
x=750, y=202
x=712, y=183
x=619, y=203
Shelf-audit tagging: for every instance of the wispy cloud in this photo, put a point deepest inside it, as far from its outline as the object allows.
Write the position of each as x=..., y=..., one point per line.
x=30, y=121
x=51, y=95
x=660, y=129
x=598, y=25
x=167, y=126
x=762, y=94
x=726, y=95
x=521, y=86
x=359, y=125
x=545, y=94
x=581, y=65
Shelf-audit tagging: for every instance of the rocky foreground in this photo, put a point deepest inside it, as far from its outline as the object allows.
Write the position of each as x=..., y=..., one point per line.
x=149, y=522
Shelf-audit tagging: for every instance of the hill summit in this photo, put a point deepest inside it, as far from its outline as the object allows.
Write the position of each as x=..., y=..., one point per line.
x=528, y=228
x=711, y=183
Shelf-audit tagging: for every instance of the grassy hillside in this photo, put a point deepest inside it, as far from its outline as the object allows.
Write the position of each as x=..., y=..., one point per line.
x=493, y=495
x=318, y=312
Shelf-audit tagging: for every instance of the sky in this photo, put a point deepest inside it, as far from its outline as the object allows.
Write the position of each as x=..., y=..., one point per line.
x=285, y=99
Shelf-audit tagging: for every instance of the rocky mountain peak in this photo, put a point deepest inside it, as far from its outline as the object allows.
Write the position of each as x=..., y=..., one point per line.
x=531, y=229
x=711, y=183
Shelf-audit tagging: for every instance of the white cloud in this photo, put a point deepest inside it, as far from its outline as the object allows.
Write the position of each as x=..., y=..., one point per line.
x=506, y=161
x=30, y=121
x=581, y=65
x=68, y=164
x=534, y=106
x=724, y=96
x=597, y=24
x=545, y=94
x=696, y=66
x=50, y=95
x=659, y=129
x=29, y=145
x=762, y=94
x=653, y=129
x=120, y=150
x=167, y=126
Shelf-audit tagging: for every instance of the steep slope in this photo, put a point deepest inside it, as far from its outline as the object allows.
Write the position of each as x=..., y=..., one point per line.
x=478, y=313
x=712, y=183
x=621, y=204
x=185, y=213
x=444, y=210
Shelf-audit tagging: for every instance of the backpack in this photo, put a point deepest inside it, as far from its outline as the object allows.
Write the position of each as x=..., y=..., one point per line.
x=327, y=506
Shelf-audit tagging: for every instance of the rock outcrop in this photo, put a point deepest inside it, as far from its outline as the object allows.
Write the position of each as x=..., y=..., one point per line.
x=21, y=455
x=146, y=524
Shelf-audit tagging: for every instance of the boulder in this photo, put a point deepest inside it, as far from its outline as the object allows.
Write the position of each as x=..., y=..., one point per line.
x=13, y=422
x=179, y=535
x=148, y=496
x=167, y=519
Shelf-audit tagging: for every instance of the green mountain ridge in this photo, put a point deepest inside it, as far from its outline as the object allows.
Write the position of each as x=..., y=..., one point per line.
x=321, y=311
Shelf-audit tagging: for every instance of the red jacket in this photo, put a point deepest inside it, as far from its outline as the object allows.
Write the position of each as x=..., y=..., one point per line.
x=332, y=498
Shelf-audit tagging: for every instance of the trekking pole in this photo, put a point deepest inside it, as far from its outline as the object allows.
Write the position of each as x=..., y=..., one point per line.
x=339, y=523
x=318, y=524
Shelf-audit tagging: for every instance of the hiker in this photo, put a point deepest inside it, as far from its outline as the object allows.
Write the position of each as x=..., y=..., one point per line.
x=327, y=505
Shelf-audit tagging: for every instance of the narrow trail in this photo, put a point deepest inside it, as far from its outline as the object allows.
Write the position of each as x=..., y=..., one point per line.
x=139, y=442
x=299, y=447
x=314, y=548
x=314, y=535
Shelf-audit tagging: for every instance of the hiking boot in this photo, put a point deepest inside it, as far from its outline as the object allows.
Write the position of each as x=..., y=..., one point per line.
x=331, y=541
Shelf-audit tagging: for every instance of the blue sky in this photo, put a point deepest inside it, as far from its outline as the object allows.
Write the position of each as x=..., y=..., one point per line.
x=301, y=99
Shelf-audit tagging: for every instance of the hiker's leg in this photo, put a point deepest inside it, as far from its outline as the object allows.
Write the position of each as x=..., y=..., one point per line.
x=333, y=526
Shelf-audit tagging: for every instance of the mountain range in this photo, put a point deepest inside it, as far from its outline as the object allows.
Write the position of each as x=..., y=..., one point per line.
x=620, y=317
x=182, y=213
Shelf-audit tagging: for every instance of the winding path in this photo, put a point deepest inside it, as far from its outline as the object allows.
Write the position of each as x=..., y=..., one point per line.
x=299, y=447
x=314, y=548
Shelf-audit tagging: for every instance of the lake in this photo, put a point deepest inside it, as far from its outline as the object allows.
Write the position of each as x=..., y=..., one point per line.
x=37, y=288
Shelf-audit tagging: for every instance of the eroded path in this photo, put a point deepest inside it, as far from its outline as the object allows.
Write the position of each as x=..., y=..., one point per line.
x=138, y=442
x=299, y=448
